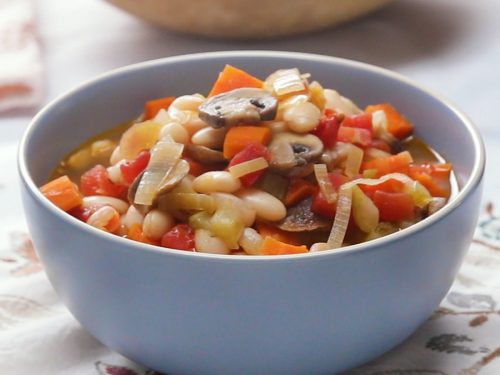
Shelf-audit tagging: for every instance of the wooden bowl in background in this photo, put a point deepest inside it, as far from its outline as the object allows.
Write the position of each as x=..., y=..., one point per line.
x=248, y=19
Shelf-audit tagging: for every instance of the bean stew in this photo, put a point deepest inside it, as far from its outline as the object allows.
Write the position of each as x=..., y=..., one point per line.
x=280, y=166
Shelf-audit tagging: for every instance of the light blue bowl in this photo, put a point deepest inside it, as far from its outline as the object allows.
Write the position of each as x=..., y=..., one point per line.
x=188, y=313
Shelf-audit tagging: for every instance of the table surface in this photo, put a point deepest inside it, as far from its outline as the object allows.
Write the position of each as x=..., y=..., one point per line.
x=451, y=47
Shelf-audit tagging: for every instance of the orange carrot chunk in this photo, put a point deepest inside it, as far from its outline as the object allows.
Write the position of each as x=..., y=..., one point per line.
x=232, y=78
x=135, y=233
x=272, y=246
x=269, y=230
x=152, y=107
x=435, y=177
x=298, y=189
x=397, y=125
x=238, y=137
x=398, y=163
x=63, y=193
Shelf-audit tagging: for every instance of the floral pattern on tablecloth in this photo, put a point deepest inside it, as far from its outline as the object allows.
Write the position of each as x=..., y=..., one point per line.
x=462, y=337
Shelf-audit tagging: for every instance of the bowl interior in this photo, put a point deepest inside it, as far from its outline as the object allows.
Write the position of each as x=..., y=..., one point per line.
x=118, y=96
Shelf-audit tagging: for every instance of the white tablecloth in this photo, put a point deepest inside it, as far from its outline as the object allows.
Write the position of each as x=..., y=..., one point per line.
x=452, y=47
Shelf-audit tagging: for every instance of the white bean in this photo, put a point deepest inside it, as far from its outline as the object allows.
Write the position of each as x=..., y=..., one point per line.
x=277, y=126
x=188, y=102
x=251, y=241
x=178, y=115
x=319, y=246
x=204, y=242
x=116, y=156
x=175, y=130
x=102, y=148
x=115, y=173
x=156, y=223
x=266, y=206
x=209, y=137
x=100, y=200
x=105, y=218
x=303, y=117
x=133, y=216
x=247, y=213
x=162, y=117
x=193, y=123
x=339, y=103
x=216, y=181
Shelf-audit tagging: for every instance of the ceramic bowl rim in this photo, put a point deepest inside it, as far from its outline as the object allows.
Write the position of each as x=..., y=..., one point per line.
x=471, y=184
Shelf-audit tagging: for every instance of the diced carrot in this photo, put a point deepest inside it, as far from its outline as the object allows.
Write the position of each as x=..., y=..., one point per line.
x=395, y=163
x=272, y=246
x=389, y=186
x=232, y=78
x=268, y=230
x=113, y=224
x=135, y=233
x=152, y=107
x=63, y=193
x=238, y=137
x=298, y=189
x=397, y=124
x=435, y=177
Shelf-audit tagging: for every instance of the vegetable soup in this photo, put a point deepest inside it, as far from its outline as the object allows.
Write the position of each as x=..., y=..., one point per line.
x=280, y=166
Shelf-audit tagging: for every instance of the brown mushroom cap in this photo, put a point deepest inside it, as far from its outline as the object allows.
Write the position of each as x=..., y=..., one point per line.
x=205, y=155
x=300, y=218
x=239, y=106
x=290, y=150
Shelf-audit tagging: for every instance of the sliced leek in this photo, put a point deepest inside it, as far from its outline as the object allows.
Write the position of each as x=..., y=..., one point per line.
x=164, y=157
x=341, y=221
x=324, y=183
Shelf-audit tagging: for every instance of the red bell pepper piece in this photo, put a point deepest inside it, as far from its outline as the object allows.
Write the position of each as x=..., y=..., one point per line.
x=180, y=237
x=250, y=152
x=327, y=129
x=319, y=203
x=133, y=168
x=359, y=136
x=96, y=182
x=361, y=121
x=394, y=206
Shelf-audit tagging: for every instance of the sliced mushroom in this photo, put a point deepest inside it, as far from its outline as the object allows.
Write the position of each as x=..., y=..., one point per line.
x=204, y=154
x=300, y=218
x=246, y=105
x=289, y=151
